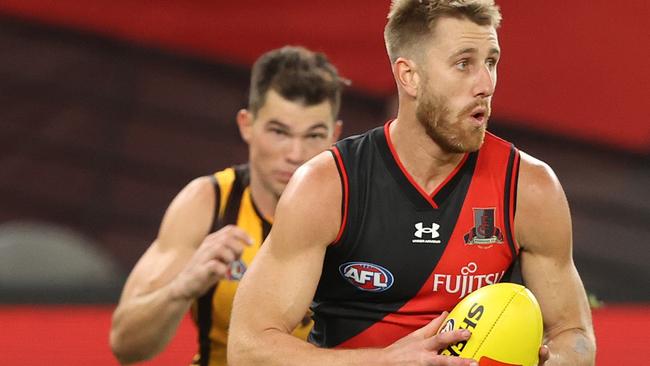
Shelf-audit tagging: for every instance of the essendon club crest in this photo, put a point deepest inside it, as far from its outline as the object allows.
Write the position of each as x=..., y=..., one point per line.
x=484, y=230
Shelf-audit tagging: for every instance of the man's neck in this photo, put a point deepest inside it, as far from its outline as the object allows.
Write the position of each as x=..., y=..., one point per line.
x=264, y=200
x=422, y=157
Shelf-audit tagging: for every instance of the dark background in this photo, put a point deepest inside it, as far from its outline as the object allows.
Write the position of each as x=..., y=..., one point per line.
x=108, y=108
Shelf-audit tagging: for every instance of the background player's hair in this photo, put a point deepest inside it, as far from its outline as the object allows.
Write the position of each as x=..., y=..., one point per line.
x=297, y=74
x=410, y=20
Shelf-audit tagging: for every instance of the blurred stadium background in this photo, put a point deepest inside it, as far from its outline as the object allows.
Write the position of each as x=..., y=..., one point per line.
x=107, y=108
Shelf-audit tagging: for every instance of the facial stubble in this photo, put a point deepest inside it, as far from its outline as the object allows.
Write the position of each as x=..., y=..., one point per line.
x=453, y=136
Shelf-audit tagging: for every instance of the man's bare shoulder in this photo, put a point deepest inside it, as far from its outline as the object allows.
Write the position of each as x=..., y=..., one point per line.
x=542, y=209
x=536, y=177
x=312, y=200
x=199, y=189
x=319, y=172
x=190, y=212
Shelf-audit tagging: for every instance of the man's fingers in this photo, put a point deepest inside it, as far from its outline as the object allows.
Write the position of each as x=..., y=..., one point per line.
x=441, y=341
x=216, y=269
x=544, y=354
x=432, y=328
x=227, y=255
x=436, y=323
x=236, y=246
x=454, y=361
x=230, y=238
x=238, y=234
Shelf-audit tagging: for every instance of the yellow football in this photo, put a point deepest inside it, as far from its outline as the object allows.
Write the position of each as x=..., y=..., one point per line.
x=506, y=325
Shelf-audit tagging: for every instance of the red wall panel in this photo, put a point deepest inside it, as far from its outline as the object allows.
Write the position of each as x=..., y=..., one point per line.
x=577, y=68
x=78, y=336
x=573, y=68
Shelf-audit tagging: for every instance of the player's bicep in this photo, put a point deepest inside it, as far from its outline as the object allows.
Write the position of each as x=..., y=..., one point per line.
x=543, y=229
x=282, y=283
x=185, y=224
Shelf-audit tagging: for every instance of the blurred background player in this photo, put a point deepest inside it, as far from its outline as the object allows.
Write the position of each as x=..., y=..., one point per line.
x=215, y=225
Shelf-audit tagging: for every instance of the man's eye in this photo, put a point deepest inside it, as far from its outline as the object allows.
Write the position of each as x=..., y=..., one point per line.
x=462, y=65
x=277, y=131
x=316, y=136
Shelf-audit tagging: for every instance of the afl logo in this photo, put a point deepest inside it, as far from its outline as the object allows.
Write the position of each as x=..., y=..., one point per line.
x=236, y=270
x=367, y=276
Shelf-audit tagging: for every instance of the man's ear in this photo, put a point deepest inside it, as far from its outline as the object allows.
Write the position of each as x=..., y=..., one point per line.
x=407, y=76
x=245, y=123
x=338, y=127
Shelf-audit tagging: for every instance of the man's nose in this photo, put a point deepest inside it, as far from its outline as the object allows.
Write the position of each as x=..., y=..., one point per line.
x=485, y=82
x=296, y=151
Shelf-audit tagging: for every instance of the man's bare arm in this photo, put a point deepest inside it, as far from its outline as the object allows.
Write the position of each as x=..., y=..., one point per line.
x=171, y=273
x=543, y=229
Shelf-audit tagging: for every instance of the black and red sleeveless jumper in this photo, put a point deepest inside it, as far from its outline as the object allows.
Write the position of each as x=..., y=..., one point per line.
x=403, y=255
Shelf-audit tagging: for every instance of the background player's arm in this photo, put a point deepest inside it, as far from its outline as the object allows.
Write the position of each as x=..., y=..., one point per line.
x=280, y=284
x=543, y=229
x=171, y=273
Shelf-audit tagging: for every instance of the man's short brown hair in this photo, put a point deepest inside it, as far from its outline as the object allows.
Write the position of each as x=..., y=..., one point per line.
x=298, y=75
x=411, y=20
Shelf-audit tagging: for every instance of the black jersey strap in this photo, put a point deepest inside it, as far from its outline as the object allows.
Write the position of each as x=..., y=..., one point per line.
x=510, y=198
x=242, y=178
x=217, y=204
x=513, y=274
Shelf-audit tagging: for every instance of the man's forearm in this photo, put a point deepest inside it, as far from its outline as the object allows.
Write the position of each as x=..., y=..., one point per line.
x=144, y=325
x=281, y=349
x=572, y=348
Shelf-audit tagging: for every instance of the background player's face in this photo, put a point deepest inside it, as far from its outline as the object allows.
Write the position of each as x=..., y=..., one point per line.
x=283, y=135
x=457, y=80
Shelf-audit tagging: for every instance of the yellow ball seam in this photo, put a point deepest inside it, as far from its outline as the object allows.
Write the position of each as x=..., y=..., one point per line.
x=495, y=322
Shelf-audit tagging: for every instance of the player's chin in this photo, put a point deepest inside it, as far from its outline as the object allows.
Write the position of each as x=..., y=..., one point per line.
x=279, y=187
x=474, y=140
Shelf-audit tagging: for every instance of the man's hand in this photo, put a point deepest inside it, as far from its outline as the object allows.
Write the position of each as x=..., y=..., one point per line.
x=544, y=355
x=423, y=346
x=210, y=262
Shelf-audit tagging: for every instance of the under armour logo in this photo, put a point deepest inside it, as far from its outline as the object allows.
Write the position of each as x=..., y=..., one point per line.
x=421, y=230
